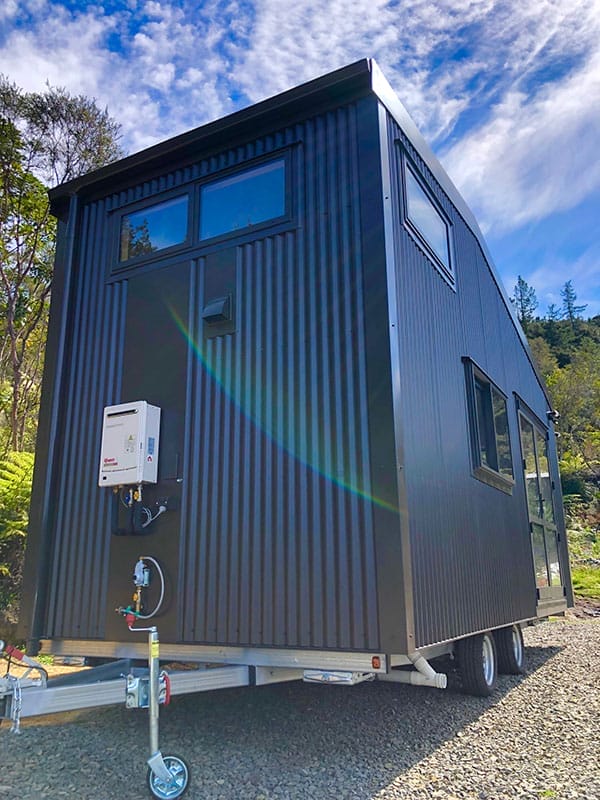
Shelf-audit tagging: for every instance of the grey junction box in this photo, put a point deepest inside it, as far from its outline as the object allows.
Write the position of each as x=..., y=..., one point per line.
x=357, y=454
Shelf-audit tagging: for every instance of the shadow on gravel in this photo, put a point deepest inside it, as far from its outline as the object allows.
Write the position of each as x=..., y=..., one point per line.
x=285, y=741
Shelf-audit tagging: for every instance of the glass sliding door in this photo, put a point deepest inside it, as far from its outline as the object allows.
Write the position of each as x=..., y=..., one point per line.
x=540, y=504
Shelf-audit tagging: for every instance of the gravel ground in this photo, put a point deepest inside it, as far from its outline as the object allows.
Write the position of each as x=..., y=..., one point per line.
x=537, y=737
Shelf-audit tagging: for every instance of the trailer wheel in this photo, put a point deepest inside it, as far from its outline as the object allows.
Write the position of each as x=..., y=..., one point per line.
x=177, y=787
x=510, y=650
x=478, y=664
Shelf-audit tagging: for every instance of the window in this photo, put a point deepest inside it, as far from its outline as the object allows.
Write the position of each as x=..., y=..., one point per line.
x=243, y=200
x=427, y=223
x=154, y=228
x=490, y=437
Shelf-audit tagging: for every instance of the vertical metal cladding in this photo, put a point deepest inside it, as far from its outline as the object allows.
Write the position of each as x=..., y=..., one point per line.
x=277, y=531
x=471, y=557
x=81, y=531
x=276, y=544
x=279, y=427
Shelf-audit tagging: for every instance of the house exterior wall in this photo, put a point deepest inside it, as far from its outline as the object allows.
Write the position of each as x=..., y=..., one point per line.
x=315, y=454
x=470, y=544
x=265, y=435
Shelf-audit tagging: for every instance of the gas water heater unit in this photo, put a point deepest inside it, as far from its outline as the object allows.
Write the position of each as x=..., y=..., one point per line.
x=129, y=453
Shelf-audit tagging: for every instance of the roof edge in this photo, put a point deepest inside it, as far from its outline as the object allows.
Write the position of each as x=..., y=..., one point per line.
x=390, y=100
x=364, y=75
x=356, y=75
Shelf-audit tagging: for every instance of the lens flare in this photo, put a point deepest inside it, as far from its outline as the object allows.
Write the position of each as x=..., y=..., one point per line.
x=205, y=352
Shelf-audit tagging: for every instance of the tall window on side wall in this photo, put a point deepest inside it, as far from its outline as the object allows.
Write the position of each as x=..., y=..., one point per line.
x=243, y=200
x=491, y=453
x=153, y=228
x=427, y=223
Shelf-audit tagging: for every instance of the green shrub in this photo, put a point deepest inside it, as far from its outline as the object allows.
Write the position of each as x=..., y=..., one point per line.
x=16, y=472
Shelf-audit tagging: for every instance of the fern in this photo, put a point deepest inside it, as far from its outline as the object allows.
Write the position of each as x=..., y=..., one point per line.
x=16, y=472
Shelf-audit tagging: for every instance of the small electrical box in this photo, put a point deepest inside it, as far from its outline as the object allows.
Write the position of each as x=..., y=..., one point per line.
x=129, y=454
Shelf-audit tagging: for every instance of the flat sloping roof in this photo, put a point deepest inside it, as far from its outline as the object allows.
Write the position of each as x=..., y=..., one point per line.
x=358, y=79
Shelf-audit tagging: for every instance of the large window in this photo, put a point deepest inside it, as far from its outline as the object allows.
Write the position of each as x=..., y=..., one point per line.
x=153, y=228
x=427, y=223
x=243, y=200
x=490, y=436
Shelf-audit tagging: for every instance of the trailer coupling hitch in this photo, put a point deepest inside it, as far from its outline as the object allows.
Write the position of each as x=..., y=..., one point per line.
x=11, y=685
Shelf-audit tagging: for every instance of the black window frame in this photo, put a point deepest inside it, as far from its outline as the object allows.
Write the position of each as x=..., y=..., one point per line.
x=489, y=473
x=118, y=266
x=446, y=271
x=282, y=220
x=117, y=269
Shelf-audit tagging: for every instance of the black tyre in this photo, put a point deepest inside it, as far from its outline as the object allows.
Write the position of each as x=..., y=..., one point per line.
x=175, y=788
x=478, y=664
x=510, y=650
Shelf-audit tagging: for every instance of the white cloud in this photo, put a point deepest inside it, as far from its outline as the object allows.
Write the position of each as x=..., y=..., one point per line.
x=64, y=49
x=508, y=91
x=534, y=156
x=8, y=10
x=163, y=67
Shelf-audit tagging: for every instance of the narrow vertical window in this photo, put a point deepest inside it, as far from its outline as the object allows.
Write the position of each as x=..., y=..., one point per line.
x=427, y=223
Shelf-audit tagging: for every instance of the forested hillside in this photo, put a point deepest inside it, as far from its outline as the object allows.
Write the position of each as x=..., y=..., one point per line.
x=566, y=348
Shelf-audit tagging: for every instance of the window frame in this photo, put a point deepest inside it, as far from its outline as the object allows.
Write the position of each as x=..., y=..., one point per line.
x=118, y=265
x=486, y=473
x=418, y=236
x=248, y=230
x=193, y=244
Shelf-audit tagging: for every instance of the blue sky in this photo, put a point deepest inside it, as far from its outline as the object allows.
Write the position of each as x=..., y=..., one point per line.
x=506, y=92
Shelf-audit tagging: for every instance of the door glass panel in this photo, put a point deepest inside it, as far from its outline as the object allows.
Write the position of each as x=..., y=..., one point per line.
x=553, y=561
x=544, y=540
x=544, y=475
x=539, y=555
x=531, y=475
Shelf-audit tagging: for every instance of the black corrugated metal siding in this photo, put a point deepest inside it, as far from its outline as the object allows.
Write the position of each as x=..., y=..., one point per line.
x=276, y=545
x=471, y=554
x=79, y=564
x=299, y=510
x=279, y=541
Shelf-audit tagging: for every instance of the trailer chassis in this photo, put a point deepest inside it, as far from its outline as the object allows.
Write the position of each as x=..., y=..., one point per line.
x=32, y=694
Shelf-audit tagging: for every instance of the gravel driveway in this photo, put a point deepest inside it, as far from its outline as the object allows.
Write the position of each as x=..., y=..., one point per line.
x=537, y=737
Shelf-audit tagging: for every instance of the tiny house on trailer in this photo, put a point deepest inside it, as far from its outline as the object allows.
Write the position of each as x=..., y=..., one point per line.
x=285, y=390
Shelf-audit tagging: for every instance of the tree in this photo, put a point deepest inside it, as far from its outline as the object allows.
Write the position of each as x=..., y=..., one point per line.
x=55, y=137
x=16, y=472
x=525, y=302
x=26, y=258
x=575, y=392
x=71, y=135
x=553, y=313
x=135, y=239
x=543, y=356
x=571, y=311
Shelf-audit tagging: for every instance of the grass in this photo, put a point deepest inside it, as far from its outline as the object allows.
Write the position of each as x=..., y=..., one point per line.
x=586, y=581
x=583, y=533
